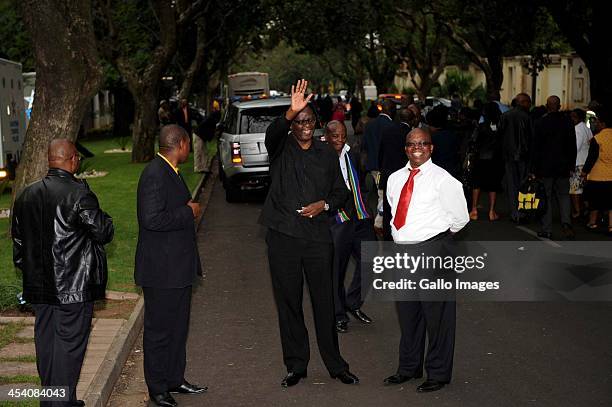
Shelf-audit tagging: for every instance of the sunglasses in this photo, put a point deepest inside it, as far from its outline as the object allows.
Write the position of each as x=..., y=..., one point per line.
x=420, y=144
x=304, y=122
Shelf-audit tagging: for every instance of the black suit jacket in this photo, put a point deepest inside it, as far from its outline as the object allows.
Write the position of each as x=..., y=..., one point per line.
x=392, y=153
x=366, y=193
x=372, y=136
x=167, y=252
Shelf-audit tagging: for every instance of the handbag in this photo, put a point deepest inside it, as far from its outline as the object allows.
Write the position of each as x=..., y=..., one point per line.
x=532, y=197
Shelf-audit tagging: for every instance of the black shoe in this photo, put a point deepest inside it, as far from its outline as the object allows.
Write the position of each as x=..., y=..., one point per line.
x=429, y=386
x=78, y=403
x=342, y=326
x=359, y=315
x=187, y=388
x=293, y=378
x=545, y=235
x=568, y=232
x=347, y=377
x=399, y=379
x=163, y=399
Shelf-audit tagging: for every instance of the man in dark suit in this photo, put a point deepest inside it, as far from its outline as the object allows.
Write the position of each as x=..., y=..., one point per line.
x=552, y=160
x=167, y=262
x=350, y=225
x=372, y=136
x=391, y=157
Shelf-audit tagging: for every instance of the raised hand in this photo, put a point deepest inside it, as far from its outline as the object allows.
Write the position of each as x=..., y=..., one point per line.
x=298, y=101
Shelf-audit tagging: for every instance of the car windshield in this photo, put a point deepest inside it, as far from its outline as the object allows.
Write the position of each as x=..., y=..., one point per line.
x=256, y=120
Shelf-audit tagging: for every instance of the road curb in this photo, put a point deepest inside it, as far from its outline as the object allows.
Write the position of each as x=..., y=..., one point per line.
x=101, y=387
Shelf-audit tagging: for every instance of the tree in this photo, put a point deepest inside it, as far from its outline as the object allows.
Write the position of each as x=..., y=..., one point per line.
x=425, y=45
x=140, y=38
x=68, y=74
x=585, y=25
x=15, y=43
x=486, y=34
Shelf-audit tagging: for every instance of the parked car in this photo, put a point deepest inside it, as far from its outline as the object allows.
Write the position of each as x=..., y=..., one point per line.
x=243, y=158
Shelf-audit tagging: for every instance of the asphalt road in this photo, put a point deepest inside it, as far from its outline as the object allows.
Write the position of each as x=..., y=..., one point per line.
x=507, y=354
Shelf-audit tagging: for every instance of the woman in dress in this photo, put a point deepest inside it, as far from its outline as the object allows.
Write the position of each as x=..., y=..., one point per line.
x=488, y=169
x=598, y=172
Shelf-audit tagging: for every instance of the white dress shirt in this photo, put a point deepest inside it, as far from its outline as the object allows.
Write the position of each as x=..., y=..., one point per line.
x=583, y=138
x=437, y=203
x=343, y=168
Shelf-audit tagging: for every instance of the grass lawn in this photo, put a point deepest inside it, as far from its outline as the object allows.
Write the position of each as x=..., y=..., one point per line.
x=117, y=195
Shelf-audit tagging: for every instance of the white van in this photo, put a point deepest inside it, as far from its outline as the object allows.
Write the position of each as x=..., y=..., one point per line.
x=12, y=117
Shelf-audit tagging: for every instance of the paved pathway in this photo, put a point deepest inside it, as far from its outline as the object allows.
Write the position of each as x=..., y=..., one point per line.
x=507, y=354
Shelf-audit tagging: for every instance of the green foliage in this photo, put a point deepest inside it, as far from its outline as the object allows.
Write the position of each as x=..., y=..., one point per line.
x=478, y=93
x=8, y=333
x=457, y=82
x=14, y=40
x=408, y=90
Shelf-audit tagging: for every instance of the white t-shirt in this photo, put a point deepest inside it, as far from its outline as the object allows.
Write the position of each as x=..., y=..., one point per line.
x=583, y=139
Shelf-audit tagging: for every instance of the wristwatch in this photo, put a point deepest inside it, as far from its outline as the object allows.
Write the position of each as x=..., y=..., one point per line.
x=326, y=206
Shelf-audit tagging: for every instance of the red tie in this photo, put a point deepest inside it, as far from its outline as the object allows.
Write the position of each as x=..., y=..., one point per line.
x=404, y=201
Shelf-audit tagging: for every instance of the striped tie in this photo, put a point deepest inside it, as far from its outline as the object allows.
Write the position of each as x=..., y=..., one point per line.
x=353, y=178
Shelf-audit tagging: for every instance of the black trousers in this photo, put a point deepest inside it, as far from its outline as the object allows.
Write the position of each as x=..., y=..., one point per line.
x=166, y=325
x=61, y=333
x=437, y=319
x=560, y=188
x=347, y=239
x=290, y=259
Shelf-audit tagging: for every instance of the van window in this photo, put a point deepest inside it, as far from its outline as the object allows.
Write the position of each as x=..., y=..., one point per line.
x=256, y=120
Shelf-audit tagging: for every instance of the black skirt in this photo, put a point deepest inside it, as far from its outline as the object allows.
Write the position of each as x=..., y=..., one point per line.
x=599, y=194
x=488, y=174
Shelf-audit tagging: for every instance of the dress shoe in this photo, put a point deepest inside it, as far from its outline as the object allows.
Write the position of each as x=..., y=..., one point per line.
x=163, y=399
x=545, y=235
x=293, y=378
x=187, y=388
x=399, y=379
x=358, y=314
x=429, y=386
x=347, y=377
x=342, y=326
x=78, y=403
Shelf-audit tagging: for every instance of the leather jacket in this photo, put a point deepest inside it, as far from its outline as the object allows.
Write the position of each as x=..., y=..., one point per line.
x=59, y=233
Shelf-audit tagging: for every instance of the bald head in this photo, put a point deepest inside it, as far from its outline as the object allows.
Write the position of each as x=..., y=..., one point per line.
x=553, y=104
x=523, y=101
x=406, y=116
x=389, y=107
x=418, y=133
x=334, y=125
x=62, y=154
x=170, y=137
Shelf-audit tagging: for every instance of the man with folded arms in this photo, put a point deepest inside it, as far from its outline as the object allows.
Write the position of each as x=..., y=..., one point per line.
x=427, y=205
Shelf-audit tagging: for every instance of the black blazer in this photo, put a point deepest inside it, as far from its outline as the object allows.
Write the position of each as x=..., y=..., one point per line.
x=167, y=252
x=392, y=153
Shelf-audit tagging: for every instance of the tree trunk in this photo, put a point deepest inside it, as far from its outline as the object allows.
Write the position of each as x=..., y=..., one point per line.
x=123, y=111
x=495, y=77
x=145, y=128
x=196, y=65
x=68, y=74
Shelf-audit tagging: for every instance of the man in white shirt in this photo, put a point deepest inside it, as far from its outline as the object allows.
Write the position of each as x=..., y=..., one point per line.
x=427, y=204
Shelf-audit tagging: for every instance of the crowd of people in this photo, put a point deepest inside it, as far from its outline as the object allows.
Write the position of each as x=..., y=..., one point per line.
x=493, y=148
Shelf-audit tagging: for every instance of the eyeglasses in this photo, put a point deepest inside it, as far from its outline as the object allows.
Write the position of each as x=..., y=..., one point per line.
x=305, y=122
x=420, y=144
